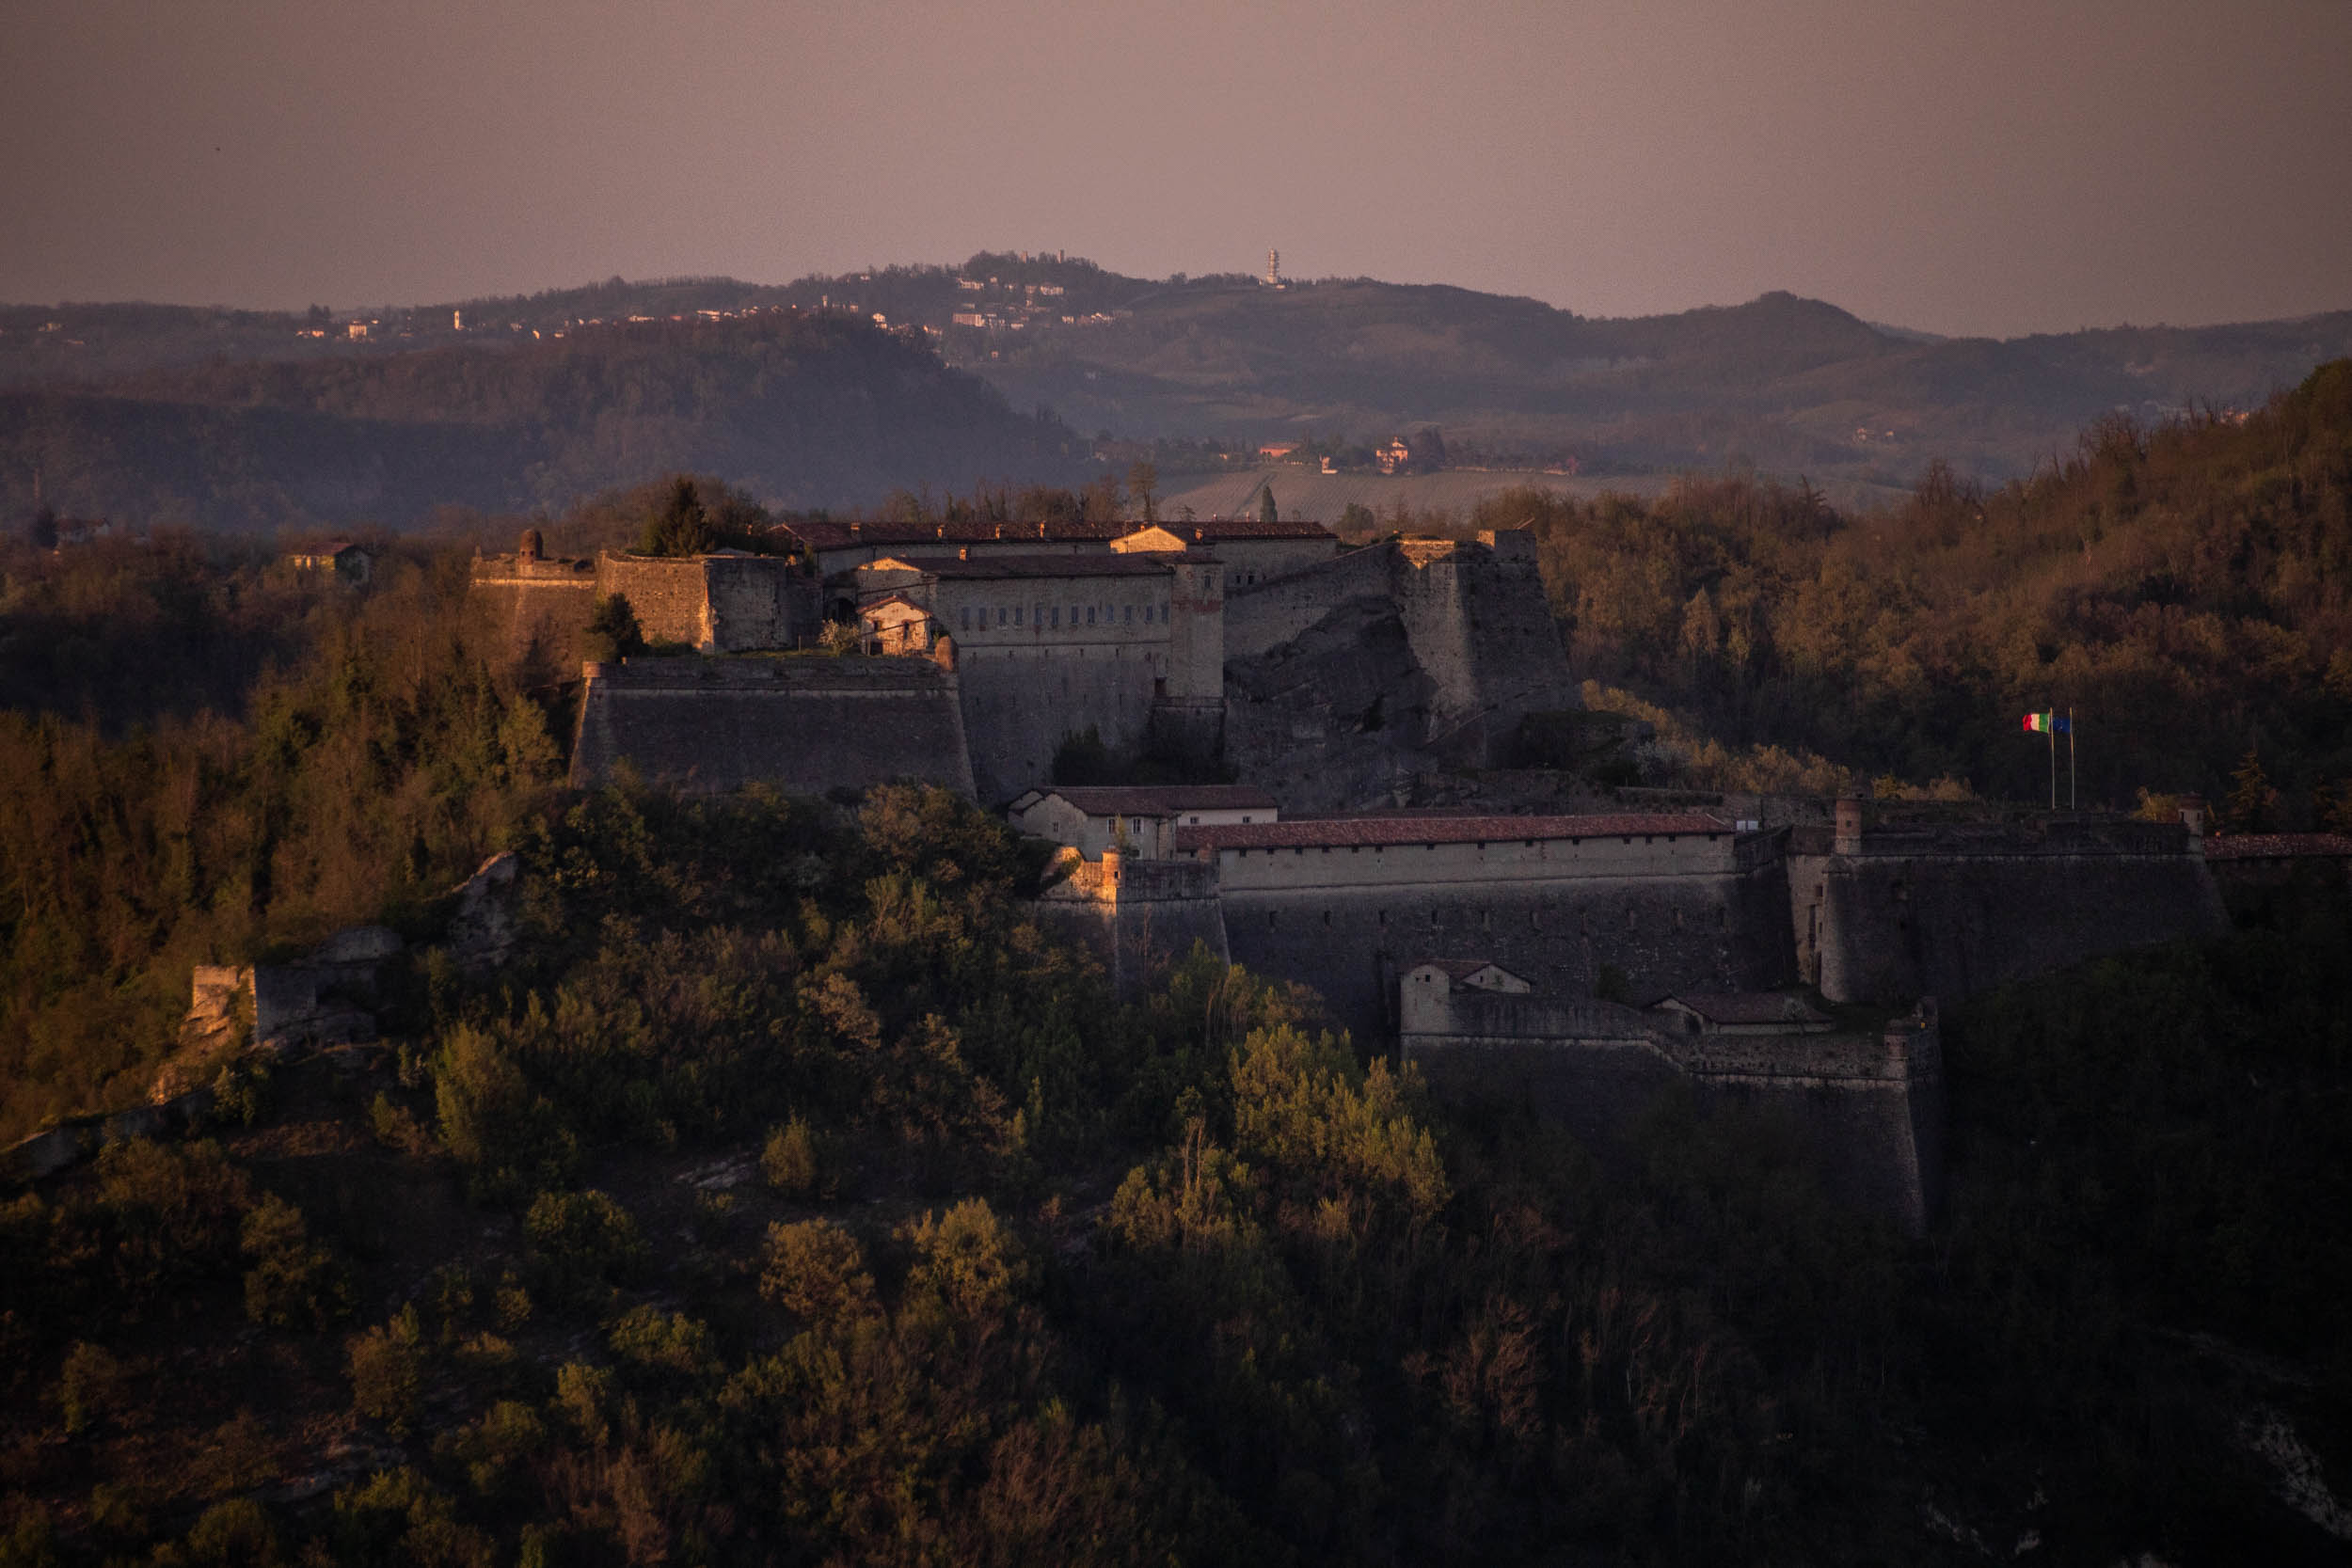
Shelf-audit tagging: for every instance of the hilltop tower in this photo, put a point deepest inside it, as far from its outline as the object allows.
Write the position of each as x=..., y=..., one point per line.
x=1273, y=269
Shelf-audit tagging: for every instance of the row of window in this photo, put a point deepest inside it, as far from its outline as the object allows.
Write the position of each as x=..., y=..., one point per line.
x=1050, y=616
x=1378, y=848
x=1536, y=919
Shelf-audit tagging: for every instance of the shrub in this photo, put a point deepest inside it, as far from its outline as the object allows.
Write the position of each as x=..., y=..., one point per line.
x=789, y=1163
x=583, y=1243
x=90, y=1387
x=291, y=1284
x=388, y=1364
x=817, y=1271
x=234, y=1534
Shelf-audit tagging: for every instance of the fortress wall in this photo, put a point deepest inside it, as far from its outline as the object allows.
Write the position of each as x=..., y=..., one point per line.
x=806, y=725
x=540, y=609
x=1483, y=632
x=1019, y=704
x=1887, y=927
x=1868, y=1109
x=1664, y=932
x=670, y=597
x=752, y=603
x=1196, y=644
x=1150, y=914
x=1270, y=613
x=1502, y=860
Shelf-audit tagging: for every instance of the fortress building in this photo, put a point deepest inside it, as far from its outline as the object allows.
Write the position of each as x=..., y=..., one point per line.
x=726, y=602
x=1128, y=645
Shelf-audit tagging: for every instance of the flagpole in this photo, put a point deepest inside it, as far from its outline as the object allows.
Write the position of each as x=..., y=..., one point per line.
x=2073, y=800
x=2052, y=738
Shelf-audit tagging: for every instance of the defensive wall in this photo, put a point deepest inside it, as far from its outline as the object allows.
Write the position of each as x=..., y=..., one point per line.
x=804, y=723
x=1129, y=645
x=1890, y=914
x=726, y=602
x=1134, y=916
x=538, y=606
x=1666, y=902
x=1867, y=1106
x=1347, y=679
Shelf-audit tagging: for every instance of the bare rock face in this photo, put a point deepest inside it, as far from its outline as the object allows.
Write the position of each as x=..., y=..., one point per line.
x=483, y=929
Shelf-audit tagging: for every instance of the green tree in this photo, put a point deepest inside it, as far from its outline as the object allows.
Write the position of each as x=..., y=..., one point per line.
x=612, y=629
x=1267, y=513
x=682, y=527
x=2253, y=805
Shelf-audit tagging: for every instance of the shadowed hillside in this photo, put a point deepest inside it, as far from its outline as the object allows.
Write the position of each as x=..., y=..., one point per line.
x=802, y=411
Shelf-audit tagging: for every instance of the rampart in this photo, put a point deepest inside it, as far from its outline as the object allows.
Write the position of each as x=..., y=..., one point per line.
x=1868, y=1106
x=1135, y=915
x=728, y=602
x=539, y=607
x=1574, y=910
x=805, y=723
x=1348, y=678
x=1953, y=911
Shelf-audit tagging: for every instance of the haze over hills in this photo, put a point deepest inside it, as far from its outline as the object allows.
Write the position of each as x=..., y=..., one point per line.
x=521, y=402
x=806, y=411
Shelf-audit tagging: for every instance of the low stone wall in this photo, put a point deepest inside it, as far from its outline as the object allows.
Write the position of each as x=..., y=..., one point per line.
x=805, y=724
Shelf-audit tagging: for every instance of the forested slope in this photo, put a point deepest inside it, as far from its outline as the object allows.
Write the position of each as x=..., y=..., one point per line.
x=2184, y=591
x=808, y=411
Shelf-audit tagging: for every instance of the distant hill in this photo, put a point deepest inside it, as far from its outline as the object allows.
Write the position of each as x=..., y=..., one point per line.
x=497, y=401
x=802, y=410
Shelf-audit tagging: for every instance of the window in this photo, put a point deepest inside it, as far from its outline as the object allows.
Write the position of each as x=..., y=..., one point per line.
x=1016, y=615
x=965, y=617
x=1089, y=615
x=1131, y=615
x=1057, y=615
x=1002, y=614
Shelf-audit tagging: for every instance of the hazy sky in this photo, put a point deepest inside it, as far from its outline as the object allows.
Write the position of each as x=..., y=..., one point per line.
x=2000, y=168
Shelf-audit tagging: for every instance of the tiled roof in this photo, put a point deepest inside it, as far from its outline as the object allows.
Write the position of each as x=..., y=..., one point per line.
x=831, y=535
x=1161, y=799
x=1339, y=831
x=1082, y=565
x=1462, y=969
x=1249, y=528
x=1750, y=1006
x=2251, y=846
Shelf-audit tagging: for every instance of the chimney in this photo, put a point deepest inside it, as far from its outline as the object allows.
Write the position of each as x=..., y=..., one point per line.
x=1848, y=838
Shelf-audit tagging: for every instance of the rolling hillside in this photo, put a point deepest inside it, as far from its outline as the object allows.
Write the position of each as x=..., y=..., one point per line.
x=802, y=411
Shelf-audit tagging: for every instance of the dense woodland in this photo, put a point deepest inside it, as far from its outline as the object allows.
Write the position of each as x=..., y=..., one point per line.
x=789, y=1197
x=803, y=410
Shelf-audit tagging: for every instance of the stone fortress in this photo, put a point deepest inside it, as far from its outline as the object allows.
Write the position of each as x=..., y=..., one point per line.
x=1576, y=962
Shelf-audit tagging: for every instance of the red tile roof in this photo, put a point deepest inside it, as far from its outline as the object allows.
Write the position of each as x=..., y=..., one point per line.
x=1161, y=799
x=1084, y=564
x=1338, y=831
x=830, y=536
x=2250, y=847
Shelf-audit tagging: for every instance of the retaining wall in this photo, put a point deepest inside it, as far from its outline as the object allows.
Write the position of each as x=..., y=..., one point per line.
x=804, y=725
x=1910, y=916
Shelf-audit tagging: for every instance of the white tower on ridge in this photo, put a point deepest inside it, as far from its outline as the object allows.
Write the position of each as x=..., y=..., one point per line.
x=1273, y=269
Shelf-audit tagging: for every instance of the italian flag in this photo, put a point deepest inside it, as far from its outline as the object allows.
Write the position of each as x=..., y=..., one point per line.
x=2042, y=724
